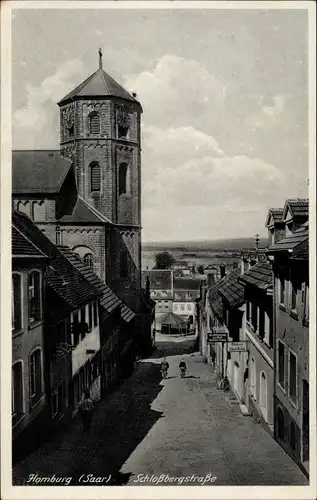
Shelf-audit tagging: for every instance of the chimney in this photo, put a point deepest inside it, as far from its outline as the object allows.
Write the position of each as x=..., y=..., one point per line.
x=222, y=271
x=257, y=241
x=210, y=279
x=134, y=94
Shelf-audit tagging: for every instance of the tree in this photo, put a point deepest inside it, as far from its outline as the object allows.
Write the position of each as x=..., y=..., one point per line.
x=164, y=260
x=200, y=269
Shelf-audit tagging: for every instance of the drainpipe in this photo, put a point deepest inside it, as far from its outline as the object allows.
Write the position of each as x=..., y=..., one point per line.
x=271, y=258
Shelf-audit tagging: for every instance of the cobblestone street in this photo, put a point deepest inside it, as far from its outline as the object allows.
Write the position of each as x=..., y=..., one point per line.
x=178, y=427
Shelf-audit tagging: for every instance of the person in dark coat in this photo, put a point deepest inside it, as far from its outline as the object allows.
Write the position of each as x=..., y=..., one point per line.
x=86, y=410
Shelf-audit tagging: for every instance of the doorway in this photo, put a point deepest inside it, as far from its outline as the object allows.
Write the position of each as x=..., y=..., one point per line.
x=263, y=395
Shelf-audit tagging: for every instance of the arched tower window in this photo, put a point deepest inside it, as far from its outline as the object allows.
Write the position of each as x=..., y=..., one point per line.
x=124, y=179
x=94, y=123
x=95, y=176
x=88, y=259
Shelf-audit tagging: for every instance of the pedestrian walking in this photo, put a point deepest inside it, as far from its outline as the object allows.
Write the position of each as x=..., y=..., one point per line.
x=213, y=360
x=86, y=409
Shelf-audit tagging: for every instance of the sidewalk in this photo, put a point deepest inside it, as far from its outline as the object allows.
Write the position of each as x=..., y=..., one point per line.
x=65, y=455
x=251, y=452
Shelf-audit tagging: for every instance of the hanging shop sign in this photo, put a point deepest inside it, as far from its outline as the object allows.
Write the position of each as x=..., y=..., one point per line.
x=242, y=346
x=217, y=337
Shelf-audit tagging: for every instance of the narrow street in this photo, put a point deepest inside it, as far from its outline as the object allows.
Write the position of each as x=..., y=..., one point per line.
x=177, y=427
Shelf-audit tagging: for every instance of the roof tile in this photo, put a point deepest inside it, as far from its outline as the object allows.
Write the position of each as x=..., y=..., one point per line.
x=99, y=84
x=260, y=275
x=38, y=171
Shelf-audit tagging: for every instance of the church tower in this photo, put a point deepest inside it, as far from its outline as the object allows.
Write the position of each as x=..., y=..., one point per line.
x=100, y=132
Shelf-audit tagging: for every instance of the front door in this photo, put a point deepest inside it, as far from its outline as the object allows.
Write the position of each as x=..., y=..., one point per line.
x=263, y=395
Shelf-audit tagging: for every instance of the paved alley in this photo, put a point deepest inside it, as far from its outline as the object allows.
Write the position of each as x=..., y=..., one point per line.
x=177, y=427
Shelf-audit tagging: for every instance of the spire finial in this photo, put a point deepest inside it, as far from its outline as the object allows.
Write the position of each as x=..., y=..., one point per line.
x=100, y=58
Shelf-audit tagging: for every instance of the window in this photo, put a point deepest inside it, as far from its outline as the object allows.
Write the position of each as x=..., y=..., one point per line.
x=182, y=307
x=294, y=292
x=189, y=307
x=95, y=314
x=35, y=375
x=90, y=316
x=94, y=123
x=124, y=181
x=95, y=176
x=124, y=272
x=292, y=387
x=189, y=296
x=34, y=296
x=281, y=364
x=248, y=310
x=83, y=322
x=254, y=316
x=267, y=328
x=88, y=259
x=17, y=388
x=282, y=290
x=75, y=329
x=16, y=301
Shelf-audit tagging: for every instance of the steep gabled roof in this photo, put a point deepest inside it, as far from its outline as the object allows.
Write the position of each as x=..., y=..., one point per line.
x=37, y=171
x=231, y=290
x=298, y=208
x=260, y=276
x=63, y=277
x=215, y=299
x=274, y=216
x=98, y=85
x=83, y=213
x=109, y=299
x=22, y=247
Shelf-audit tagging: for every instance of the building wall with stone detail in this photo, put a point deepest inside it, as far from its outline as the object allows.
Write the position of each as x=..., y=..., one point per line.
x=109, y=150
x=93, y=237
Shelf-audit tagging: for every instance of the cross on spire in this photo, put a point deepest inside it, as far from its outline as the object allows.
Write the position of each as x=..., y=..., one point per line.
x=100, y=58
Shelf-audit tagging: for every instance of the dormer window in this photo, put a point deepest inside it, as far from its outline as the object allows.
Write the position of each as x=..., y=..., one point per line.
x=94, y=123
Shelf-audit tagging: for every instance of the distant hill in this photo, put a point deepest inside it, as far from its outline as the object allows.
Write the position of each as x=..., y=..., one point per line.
x=192, y=246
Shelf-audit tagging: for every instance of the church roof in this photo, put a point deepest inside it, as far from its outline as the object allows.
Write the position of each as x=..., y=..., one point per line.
x=83, y=213
x=109, y=299
x=99, y=84
x=38, y=171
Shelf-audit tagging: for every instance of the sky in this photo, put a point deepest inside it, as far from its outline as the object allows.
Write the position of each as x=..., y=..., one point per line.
x=224, y=96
